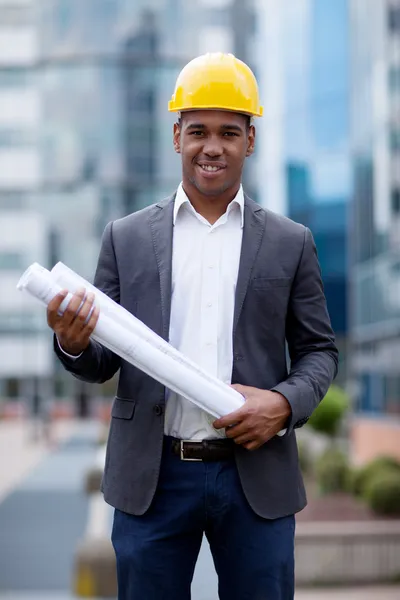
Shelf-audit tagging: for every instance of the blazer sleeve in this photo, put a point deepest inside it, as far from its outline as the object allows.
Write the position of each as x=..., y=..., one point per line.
x=97, y=364
x=310, y=338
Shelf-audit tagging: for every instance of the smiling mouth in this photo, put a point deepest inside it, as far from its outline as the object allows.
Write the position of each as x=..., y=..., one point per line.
x=210, y=168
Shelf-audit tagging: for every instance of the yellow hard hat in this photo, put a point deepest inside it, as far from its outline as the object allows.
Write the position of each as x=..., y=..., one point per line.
x=216, y=81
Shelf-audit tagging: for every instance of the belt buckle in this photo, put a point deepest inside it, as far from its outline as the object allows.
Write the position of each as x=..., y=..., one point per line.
x=183, y=456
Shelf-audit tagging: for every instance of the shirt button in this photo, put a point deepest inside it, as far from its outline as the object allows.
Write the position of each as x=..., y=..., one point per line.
x=209, y=304
x=210, y=266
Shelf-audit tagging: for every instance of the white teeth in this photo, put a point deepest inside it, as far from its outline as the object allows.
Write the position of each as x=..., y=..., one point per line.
x=209, y=168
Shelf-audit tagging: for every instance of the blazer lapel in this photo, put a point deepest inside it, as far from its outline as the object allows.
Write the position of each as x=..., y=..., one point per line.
x=161, y=225
x=253, y=230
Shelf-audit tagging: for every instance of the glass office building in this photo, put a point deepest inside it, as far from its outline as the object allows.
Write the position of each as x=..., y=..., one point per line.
x=108, y=69
x=103, y=73
x=24, y=350
x=375, y=231
x=304, y=158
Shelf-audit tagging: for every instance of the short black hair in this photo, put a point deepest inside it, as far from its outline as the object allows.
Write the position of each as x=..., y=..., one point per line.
x=247, y=117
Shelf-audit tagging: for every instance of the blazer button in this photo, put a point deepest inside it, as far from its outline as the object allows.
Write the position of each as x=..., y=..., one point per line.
x=158, y=409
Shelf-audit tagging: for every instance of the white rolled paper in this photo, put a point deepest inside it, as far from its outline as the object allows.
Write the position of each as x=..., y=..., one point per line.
x=68, y=279
x=133, y=341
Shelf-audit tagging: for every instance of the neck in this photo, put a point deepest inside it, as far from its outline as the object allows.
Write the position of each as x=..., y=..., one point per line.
x=210, y=207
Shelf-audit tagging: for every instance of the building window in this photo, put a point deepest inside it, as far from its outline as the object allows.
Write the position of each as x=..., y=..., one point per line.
x=394, y=19
x=11, y=261
x=396, y=201
x=13, y=201
x=15, y=138
x=395, y=139
x=14, y=78
x=16, y=15
x=20, y=323
x=394, y=79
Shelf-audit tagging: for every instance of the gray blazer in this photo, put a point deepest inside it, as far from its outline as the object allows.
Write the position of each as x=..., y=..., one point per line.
x=279, y=299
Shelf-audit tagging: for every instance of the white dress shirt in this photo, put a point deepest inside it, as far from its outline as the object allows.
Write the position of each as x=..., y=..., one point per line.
x=205, y=264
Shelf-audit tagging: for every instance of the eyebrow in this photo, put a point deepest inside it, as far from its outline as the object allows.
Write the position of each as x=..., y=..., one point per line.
x=230, y=127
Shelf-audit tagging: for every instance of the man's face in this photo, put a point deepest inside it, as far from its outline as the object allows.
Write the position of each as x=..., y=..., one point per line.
x=213, y=145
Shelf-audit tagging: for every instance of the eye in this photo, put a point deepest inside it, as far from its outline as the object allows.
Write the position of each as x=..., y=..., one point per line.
x=196, y=133
x=231, y=134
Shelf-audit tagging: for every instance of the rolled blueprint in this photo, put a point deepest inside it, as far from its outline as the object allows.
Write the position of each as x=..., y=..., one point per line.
x=172, y=370
x=129, y=338
x=68, y=279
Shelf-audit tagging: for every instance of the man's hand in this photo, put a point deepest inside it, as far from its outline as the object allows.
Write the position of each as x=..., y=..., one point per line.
x=261, y=417
x=71, y=328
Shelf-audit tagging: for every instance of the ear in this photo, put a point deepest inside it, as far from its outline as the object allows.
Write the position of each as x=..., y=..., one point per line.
x=177, y=138
x=251, y=140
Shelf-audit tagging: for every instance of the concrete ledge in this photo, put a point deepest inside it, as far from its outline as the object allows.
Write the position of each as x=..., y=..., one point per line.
x=340, y=553
x=327, y=554
x=95, y=569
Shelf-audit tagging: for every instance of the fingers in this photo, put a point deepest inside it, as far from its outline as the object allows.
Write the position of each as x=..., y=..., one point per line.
x=236, y=430
x=241, y=434
x=253, y=445
x=75, y=326
x=242, y=389
x=228, y=420
x=53, y=308
x=241, y=440
x=83, y=313
x=93, y=321
x=74, y=308
x=87, y=329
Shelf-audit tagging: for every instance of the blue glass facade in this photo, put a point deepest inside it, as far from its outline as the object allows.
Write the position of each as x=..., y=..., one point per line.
x=375, y=218
x=316, y=140
x=107, y=71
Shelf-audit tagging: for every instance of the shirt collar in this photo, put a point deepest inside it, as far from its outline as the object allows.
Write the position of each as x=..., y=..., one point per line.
x=181, y=199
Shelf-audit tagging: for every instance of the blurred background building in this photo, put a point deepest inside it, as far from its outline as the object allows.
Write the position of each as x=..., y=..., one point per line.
x=26, y=361
x=85, y=137
x=304, y=147
x=89, y=115
x=374, y=233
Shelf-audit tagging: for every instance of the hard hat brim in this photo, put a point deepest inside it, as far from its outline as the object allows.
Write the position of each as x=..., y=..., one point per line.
x=173, y=108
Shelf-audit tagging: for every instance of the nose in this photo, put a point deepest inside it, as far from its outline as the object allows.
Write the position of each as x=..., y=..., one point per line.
x=213, y=146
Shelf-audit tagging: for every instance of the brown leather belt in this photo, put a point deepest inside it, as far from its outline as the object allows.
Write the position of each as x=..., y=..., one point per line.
x=206, y=450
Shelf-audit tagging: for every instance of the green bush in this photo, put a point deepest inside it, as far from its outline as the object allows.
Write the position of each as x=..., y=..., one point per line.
x=383, y=493
x=332, y=471
x=328, y=415
x=362, y=477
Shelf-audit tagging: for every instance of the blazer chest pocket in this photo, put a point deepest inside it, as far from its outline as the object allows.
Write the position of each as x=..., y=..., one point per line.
x=268, y=298
x=122, y=408
x=268, y=283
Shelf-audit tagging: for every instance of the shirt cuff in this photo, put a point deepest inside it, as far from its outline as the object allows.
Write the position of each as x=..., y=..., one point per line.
x=72, y=356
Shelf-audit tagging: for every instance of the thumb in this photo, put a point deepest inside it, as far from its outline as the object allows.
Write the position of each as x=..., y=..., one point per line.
x=240, y=388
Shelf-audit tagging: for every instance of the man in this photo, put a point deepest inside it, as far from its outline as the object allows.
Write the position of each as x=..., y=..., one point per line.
x=228, y=284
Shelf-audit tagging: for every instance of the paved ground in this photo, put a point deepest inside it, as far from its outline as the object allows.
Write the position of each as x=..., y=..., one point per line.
x=44, y=512
x=368, y=593
x=21, y=449
x=376, y=593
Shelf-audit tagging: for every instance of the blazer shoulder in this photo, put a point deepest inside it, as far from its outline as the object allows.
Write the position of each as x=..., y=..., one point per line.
x=279, y=223
x=139, y=218
x=284, y=223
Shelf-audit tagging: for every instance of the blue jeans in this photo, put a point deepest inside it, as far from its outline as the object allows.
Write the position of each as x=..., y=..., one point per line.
x=156, y=553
